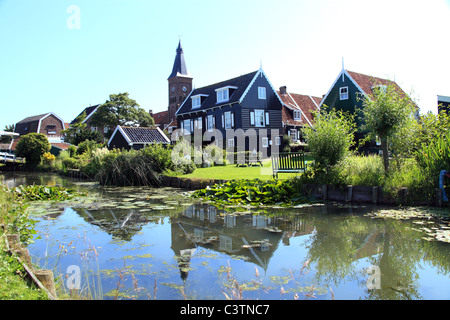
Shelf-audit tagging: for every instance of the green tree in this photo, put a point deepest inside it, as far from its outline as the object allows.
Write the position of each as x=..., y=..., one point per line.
x=331, y=138
x=121, y=110
x=7, y=139
x=32, y=146
x=384, y=113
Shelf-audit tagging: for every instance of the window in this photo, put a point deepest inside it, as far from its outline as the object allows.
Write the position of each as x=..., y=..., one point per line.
x=222, y=95
x=297, y=115
x=293, y=134
x=228, y=120
x=259, y=118
x=199, y=122
x=278, y=141
x=196, y=102
x=210, y=123
x=262, y=93
x=265, y=142
x=343, y=93
x=187, y=125
x=231, y=143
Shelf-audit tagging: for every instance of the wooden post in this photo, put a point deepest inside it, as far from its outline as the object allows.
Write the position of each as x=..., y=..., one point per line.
x=349, y=194
x=324, y=192
x=46, y=278
x=375, y=195
x=403, y=193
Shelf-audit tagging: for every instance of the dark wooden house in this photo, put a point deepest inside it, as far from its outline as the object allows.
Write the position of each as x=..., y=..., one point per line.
x=246, y=107
x=347, y=94
x=136, y=137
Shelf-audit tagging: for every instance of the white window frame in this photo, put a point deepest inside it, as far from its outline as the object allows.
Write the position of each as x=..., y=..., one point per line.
x=228, y=120
x=222, y=95
x=343, y=93
x=260, y=115
x=293, y=134
x=278, y=141
x=262, y=93
x=210, y=122
x=230, y=143
x=297, y=115
x=196, y=102
x=265, y=142
x=187, y=125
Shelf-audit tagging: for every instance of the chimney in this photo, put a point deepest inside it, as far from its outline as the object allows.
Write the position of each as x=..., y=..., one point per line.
x=151, y=113
x=283, y=90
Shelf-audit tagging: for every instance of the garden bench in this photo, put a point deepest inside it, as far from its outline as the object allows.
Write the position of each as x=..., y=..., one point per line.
x=250, y=159
x=288, y=162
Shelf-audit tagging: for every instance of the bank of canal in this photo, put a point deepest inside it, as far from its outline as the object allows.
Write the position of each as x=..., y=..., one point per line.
x=156, y=243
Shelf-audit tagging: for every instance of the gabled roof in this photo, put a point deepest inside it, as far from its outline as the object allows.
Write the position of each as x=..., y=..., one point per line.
x=89, y=112
x=209, y=92
x=305, y=103
x=19, y=125
x=179, y=65
x=141, y=135
x=161, y=117
x=33, y=118
x=364, y=83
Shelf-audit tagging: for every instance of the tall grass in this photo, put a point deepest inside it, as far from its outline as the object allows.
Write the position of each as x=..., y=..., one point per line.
x=362, y=170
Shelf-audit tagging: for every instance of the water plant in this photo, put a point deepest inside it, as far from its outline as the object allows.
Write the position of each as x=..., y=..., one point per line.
x=254, y=192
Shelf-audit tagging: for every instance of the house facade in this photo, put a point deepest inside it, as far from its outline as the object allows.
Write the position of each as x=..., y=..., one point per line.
x=243, y=112
x=48, y=124
x=136, y=137
x=298, y=112
x=347, y=94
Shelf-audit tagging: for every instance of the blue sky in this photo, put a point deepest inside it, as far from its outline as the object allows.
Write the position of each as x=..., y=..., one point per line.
x=129, y=46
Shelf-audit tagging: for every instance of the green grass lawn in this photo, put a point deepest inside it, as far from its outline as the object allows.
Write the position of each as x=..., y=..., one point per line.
x=231, y=172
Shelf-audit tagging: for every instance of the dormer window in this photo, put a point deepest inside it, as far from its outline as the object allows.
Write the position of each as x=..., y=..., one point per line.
x=297, y=115
x=223, y=94
x=197, y=100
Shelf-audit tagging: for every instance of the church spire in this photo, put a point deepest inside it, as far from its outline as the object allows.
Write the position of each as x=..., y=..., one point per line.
x=179, y=66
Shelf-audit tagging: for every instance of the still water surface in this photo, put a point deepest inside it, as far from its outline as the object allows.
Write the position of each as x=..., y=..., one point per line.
x=146, y=243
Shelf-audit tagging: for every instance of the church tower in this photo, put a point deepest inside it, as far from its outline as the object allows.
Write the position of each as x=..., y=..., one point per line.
x=180, y=83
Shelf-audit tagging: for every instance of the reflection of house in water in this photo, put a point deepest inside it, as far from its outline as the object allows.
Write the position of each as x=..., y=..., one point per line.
x=120, y=223
x=253, y=237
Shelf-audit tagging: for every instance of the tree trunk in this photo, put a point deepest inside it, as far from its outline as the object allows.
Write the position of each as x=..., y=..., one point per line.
x=384, y=148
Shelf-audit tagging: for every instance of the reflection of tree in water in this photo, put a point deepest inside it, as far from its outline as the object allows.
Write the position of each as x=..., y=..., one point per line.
x=388, y=244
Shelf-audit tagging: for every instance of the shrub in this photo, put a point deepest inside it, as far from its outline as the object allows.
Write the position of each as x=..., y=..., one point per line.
x=32, y=146
x=48, y=158
x=88, y=146
x=331, y=138
x=71, y=163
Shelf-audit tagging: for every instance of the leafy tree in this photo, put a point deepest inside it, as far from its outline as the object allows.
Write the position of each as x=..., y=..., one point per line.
x=78, y=133
x=384, y=113
x=7, y=139
x=331, y=138
x=32, y=147
x=121, y=110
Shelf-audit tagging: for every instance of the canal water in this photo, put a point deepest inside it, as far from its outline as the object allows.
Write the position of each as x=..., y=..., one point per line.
x=150, y=243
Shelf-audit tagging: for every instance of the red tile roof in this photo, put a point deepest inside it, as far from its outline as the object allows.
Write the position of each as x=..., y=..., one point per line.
x=306, y=104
